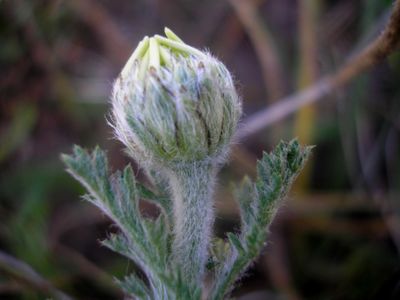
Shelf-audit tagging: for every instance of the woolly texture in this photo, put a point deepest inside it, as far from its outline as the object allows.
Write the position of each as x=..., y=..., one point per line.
x=192, y=190
x=175, y=271
x=173, y=103
x=176, y=108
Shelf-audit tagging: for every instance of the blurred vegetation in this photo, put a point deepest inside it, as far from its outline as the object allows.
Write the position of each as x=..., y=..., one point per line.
x=338, y=237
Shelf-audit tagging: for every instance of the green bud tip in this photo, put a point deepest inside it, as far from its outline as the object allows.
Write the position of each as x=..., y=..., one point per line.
x=158, y=49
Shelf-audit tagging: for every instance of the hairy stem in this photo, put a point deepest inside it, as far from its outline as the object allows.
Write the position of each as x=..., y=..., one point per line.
x=192, y=189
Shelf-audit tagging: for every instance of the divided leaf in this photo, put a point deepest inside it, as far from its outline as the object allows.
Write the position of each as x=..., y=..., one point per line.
x=258, y=203
x=178, y=286
x=147, y=242
x=144, y=241
x=133, y=285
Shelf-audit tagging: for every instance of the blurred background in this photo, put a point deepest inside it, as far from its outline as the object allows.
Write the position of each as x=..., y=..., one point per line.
x=337, y=236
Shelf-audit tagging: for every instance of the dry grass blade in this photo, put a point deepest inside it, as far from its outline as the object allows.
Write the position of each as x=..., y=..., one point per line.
x=264, y=47
x=373, y=54
x=27, y=275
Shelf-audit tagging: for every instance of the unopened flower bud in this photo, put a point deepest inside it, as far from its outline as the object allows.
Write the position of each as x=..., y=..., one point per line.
x=174, y=103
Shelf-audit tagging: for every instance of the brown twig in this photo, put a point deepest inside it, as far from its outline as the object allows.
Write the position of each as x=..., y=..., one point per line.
x=69, y=220
x=10, y=287
x=228, y=37
x=96, y=16
x=86, y=268
x=263, y=45
x=277, y=263
x=373, y=54
x=24, y=273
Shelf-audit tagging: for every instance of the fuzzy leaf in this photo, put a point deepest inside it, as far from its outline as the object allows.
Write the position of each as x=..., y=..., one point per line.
x=235, y=242
x=116, y=197
x=134, y=286
x=162, y=201
x=143, y=241
x=119, y=243
x=258, y=203
x=244, y=196
x=157, y=237
x=178, y=286
x=218, y=250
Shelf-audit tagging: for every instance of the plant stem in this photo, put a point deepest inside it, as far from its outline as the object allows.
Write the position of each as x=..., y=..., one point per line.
x=192, y=189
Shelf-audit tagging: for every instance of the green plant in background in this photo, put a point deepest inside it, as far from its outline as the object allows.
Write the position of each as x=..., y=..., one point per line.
x=176, y=109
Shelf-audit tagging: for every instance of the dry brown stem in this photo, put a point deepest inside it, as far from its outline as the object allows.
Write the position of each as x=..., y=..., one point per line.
x=373, y=54
x=26, y=275
x=263, y=45
x=97, y=17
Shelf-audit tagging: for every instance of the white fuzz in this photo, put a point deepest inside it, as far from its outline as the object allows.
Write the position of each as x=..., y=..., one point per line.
x=176, y=109
x=183, y=109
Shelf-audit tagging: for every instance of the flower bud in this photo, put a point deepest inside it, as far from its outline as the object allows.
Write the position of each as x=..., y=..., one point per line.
x=173, y=103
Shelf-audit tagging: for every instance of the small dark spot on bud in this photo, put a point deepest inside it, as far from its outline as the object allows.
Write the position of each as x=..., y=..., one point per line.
x=182, y=89
x=153, y=71
x=125, y=99
x=200, y=65
x=167, y=89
